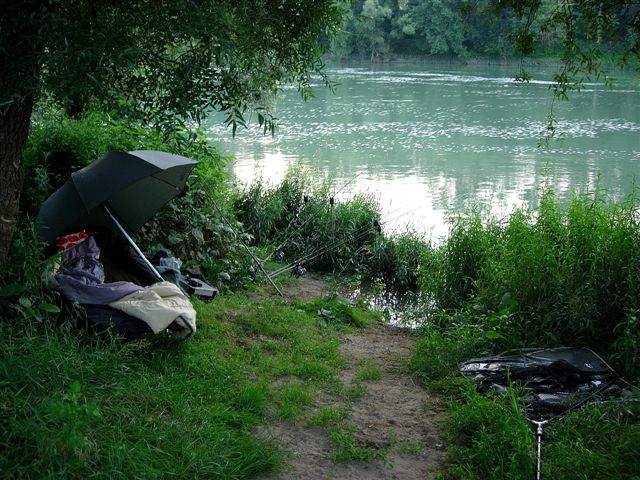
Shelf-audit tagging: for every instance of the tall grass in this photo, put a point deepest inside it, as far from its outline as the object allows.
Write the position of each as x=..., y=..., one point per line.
x=493, y=440
x=557, y=275
x=562, y=274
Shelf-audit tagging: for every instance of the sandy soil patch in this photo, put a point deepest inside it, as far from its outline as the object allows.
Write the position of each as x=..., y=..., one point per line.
x=394, y=414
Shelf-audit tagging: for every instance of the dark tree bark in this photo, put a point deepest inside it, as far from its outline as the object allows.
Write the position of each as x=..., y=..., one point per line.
x=14, y=128
x=19, y=68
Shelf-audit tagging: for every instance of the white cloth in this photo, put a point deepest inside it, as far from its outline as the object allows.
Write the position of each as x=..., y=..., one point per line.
x=159, y=305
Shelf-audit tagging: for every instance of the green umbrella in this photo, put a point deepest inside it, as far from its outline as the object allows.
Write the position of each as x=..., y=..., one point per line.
x=132, y=186
x=119, y=190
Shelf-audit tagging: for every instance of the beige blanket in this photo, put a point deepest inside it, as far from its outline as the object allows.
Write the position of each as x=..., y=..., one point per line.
x=159, y=305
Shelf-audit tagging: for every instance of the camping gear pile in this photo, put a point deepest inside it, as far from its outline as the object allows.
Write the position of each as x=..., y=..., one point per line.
x=552, y=382
x=102, y=269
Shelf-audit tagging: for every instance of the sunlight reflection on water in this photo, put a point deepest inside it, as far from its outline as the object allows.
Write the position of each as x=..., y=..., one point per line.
x=430, y=142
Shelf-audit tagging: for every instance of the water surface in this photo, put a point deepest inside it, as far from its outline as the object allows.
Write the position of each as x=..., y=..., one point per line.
x=430, y=141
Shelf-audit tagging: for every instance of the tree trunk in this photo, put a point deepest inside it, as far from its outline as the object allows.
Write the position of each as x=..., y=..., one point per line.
x=20, y=25
x=14, y=129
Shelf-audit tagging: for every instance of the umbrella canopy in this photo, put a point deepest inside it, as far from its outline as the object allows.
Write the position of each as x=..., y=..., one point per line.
x=133, y=185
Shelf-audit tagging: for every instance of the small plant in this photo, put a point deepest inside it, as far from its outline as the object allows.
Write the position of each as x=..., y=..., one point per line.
x=334, y=311
x=23, y=287
x=497, y=441
x=292, y=396
x=73, y=416
x=368, y=372
x=357, y=389
x=347, y=448
x=328, y=416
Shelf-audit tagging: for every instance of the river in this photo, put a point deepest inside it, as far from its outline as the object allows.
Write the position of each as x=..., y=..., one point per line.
x=431, y=141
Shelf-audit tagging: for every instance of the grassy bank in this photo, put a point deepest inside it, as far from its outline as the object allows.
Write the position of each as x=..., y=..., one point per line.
x=560, y=275
x=75, y=405
x=565, y=274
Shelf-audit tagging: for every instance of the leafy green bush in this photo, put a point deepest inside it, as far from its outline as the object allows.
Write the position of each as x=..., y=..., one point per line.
x=59, y=145
x=397, y=259
x=439, y=352
x=25, y=300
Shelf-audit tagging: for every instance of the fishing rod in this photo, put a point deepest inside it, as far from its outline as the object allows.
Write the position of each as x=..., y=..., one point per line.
x=305, y=198
x=337, y=243
x=318, y=252
x=348, y=183
x=256, y=260
x=287, y=238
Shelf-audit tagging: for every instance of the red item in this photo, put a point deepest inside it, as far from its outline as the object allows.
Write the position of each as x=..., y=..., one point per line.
x=68, y=241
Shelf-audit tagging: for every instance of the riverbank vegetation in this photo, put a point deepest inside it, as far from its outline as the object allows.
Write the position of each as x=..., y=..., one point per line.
x=75, y=404
x=562, y=274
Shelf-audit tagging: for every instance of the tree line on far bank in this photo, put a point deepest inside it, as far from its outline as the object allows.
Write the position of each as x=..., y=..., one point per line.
x=459, y=28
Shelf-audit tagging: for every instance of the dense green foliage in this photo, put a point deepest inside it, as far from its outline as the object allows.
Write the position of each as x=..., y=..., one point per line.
x=165, y=64
x=197, y=226
x=559, y=275
x=182, y=61
x=580, y=31
x=555, y=276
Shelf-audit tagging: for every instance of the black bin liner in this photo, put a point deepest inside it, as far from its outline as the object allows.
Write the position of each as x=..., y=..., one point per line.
x=552, y=380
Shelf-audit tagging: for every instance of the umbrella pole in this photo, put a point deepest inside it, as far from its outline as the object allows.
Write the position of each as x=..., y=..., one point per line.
x=133, y=244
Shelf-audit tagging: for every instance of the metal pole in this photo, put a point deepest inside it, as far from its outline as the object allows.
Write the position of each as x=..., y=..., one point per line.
x=132, y=243
x=259, y=263
x=539, y=430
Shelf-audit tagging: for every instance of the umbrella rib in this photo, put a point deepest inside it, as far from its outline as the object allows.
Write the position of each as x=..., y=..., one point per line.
x=165, y=182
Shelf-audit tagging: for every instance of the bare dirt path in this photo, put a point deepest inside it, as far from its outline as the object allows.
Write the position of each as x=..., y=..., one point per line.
x=393, y=415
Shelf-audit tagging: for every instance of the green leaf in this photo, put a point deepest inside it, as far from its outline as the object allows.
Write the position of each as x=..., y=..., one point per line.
x=49, y=307
x=492, y=335
x=74, y=389
x=25, y=302
x=197, y=234
x=11, y=290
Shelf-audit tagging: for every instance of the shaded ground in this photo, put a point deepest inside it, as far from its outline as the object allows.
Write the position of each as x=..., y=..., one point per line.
x=307, y=287
x=391, y=415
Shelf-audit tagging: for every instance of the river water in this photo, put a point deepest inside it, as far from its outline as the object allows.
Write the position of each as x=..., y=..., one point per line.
x=430, y=141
